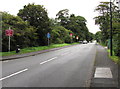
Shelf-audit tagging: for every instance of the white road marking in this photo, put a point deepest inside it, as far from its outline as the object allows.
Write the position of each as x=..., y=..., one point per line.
x=48, y=60
x=13, y=74
x=102, y=72
x=64, y=54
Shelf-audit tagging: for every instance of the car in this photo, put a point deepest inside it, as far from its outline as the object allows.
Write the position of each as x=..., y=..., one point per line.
x=84, y=42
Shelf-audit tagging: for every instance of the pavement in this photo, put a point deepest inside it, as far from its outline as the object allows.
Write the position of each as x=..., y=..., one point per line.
x=102, y=63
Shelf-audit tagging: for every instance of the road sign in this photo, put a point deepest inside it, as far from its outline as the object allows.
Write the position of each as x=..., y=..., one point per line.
x=9, y=32
x=77, y=37
x=71, y=34
x=48, y=35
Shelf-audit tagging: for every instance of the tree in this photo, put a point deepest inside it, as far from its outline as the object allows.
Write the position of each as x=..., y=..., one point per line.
x=90, y=37
x=24, y=34
x=59, y=34
x=77, y=24
x=103, y=21
x=37, y=16
x=63, y=17
x=98, y=36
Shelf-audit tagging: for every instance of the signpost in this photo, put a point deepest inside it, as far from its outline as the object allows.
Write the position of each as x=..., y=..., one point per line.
x=9, y=33
x=48, y=36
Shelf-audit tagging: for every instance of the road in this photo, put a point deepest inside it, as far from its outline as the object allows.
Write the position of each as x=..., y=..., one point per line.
x=67, y=67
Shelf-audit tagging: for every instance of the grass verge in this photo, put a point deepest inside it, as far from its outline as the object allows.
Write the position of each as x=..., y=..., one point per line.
x=34, y=49
x=116, y=59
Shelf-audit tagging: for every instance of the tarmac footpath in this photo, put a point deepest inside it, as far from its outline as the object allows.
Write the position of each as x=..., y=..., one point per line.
x=106, y=74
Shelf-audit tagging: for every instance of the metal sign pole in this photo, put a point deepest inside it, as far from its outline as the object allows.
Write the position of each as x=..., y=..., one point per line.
x=48, y=36
x=48, y=41
x=9, y=44
x=71, y=39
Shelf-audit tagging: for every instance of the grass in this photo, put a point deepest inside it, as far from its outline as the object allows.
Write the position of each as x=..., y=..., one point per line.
x=116, y=59
x=34, y=49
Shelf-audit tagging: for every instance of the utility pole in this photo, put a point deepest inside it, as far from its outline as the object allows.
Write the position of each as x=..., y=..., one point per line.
x=111, y=28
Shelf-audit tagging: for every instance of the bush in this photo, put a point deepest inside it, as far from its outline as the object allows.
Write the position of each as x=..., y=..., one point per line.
x=60, y=35
x=67, y=39
x=58, y=41
x=116, y=44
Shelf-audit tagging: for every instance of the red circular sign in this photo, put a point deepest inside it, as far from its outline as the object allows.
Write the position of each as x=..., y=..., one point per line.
x=9, y=32
x=71, y=34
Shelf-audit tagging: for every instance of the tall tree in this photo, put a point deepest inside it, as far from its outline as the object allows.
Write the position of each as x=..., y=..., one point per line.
x=37, y=16
x=77, y=24
x=103, y=21
x=63, y=17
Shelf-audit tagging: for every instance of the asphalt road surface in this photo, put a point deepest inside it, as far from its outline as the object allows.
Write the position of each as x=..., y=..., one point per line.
x=67, y=67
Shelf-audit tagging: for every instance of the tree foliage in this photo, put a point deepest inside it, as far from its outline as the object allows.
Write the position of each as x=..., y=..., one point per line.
x=37, y=16
x=60, y=35
x=32, y=25
x=23, y=32
x=77, y=24
x=103, y=20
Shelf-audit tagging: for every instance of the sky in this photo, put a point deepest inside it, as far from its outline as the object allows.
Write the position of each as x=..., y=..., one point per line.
x=83, y=8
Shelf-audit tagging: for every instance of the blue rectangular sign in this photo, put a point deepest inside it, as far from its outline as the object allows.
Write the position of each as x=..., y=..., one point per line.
x=48, y=35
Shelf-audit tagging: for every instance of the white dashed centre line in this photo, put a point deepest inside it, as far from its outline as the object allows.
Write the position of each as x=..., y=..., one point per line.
x=13, y=74
x=48, y=60
x=64, y=54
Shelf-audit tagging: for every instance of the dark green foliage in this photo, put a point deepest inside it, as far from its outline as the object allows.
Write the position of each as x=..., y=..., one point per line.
x=32, y=25
x=24, y=34
x=37, y=16
x=116, y=44
x=60, y=34
x=104, y=22
x=77, y=24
